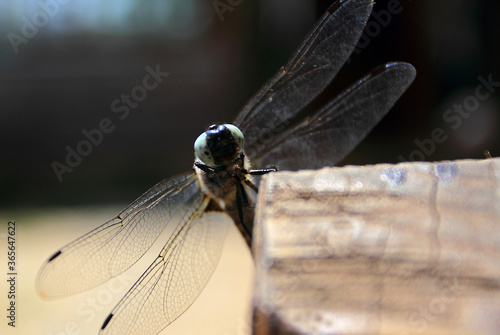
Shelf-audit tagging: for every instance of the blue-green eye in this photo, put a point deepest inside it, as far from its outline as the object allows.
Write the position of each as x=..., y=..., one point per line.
x=219, y=145
x=202, y=151
x=237, y=134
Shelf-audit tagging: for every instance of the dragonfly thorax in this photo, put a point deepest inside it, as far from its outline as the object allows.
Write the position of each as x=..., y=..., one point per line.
x=220, y=145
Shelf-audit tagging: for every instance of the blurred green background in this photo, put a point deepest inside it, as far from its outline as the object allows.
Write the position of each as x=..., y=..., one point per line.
x=63, y=78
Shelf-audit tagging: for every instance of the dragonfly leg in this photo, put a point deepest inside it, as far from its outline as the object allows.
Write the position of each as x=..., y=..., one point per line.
x=260, y=172
x=241, y=204
x=208, y=168
x=211, y=171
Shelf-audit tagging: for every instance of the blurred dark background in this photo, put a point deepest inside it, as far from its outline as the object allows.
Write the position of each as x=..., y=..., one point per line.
x=61, y=77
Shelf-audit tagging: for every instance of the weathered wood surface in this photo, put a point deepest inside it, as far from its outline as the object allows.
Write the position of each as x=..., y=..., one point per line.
x=400, y=249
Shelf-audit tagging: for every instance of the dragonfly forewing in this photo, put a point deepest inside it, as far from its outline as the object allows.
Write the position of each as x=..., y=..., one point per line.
x=113, y=247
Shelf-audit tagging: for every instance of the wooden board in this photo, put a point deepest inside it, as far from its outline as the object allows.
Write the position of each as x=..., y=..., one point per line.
x=412, y=248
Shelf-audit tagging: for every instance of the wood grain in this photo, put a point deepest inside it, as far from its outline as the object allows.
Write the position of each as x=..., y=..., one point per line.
x=412, y=248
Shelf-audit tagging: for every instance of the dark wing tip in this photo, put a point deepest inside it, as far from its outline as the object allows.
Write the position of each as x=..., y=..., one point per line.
x=107, y=321
x=57, y=253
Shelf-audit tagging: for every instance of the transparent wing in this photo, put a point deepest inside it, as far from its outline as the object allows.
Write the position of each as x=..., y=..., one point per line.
x=330, y=134
x=176, y=278
x=116, y=245
x=313, y=65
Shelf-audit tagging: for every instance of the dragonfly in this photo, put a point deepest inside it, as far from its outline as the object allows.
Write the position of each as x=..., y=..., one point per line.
x=269, y=133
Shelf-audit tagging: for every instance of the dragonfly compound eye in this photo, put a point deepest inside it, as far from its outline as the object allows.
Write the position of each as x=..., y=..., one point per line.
x=202, y=151
x=219, y=145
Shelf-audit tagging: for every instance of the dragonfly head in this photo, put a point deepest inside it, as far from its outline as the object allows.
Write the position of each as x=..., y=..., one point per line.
x=219, y=145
